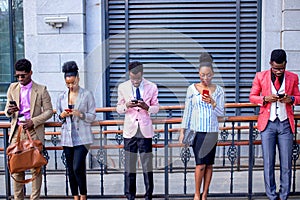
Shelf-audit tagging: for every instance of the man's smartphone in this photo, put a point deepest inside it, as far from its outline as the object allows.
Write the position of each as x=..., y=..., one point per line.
x=13, y=103
x=205, y=92
x=21, y=118
x=281, y=95
x=134, y=101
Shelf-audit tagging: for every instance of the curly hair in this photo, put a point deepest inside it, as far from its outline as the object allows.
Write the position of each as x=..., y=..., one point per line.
x=23, y=65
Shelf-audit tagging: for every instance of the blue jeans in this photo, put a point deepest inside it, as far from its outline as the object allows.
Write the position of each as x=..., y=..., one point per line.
x=280, y=134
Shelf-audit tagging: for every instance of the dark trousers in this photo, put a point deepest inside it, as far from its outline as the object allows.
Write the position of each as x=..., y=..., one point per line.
x=75, y=157
x=132, y=146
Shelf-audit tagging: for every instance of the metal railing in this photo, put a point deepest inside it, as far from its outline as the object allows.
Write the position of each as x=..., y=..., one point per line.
x=231, y=129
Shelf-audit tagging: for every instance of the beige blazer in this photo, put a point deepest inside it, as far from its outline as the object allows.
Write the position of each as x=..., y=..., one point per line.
x=40, y=109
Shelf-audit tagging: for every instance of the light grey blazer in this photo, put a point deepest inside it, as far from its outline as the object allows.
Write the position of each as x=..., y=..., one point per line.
x=85, y=103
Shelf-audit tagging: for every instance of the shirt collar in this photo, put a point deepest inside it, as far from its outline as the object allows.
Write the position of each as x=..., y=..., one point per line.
x=28, y=86
x=141, y=87
x=273, y=77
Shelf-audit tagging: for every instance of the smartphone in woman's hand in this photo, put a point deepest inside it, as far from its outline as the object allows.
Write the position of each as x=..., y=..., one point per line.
x=68, y=110
x=205, y=92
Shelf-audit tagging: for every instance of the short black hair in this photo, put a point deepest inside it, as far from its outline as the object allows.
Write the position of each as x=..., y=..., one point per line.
x=70, y=68
x=206, y=60
x=135, y=67
x=23, y=65
x=278, y=56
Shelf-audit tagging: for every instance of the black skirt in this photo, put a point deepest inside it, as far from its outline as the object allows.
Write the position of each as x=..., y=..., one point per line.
x=204, y=147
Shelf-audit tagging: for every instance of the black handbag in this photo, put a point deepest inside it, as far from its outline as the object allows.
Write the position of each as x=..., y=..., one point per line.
x=188, y=137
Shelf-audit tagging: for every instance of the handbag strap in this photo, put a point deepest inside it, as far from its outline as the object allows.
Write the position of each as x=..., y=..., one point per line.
x=19, y=133
x=34, y=175
x=20, y=128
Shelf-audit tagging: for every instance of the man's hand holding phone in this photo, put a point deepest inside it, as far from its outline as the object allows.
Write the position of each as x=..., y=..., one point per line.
x=141, y=103
x=284, y=98
x=12, y=108
x=280, y=96
x=132, y=103
x=137, y=103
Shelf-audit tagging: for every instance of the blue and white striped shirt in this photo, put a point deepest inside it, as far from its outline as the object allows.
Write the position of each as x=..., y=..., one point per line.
x=200, y=116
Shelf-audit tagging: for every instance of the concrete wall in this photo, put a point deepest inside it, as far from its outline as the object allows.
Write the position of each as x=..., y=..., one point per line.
x=281, y=29
x=79, y=40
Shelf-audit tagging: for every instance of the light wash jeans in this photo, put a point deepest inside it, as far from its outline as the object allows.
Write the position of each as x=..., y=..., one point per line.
x=280, y=134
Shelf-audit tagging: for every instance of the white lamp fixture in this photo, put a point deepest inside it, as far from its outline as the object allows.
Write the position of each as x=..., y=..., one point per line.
x=56, y=22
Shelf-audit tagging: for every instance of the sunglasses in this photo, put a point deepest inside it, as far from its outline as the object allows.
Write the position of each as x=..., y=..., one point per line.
x=20, y=75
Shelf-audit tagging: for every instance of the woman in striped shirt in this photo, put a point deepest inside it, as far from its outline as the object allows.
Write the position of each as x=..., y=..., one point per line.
x=204, y=103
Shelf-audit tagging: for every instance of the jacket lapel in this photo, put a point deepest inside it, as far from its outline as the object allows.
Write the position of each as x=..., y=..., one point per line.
x=146, y=90
x=79, y=99
x=288, y=82
x=33, y=96
x=267, y=82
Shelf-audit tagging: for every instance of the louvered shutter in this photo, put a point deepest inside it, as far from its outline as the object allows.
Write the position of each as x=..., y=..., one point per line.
x=168, y=37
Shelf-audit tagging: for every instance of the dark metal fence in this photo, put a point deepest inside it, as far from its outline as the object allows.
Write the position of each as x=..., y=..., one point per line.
x=235, y=132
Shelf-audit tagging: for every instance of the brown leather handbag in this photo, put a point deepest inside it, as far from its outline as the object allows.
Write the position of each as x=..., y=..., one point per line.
x=24, y=155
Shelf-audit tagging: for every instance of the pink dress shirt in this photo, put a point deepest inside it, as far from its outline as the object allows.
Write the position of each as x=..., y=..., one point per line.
x=25, y=93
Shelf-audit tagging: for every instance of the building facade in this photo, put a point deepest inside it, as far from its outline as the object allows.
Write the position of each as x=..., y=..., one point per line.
x=102, y=36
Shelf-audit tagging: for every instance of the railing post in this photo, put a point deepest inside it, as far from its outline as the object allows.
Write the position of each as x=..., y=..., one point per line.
x=166, y=149
x=46, y=155
x=251, y=159
x=54, y=140
x=7, y=176
x=101, y=160
x=239, y=149
x=63, y=158
x=232, y=154
x=171, y=149
x=185, y=156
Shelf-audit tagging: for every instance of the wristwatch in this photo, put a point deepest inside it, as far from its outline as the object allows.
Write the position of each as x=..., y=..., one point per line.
x=81, y=116
x=292, y=99
x=214, y=104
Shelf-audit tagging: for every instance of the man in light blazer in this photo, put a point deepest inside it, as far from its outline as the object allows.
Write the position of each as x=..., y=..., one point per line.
x=33, y=103
x=137, y=98
x=276, y=91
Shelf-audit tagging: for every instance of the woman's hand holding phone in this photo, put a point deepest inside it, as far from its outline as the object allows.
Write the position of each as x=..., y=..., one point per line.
x=207, y=98
x=68, y=110
x=66, y=113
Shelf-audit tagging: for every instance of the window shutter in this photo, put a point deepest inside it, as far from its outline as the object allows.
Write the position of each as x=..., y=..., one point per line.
x=168, y=37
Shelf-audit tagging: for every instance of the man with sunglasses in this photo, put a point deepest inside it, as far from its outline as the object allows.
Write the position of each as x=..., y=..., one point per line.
x=276, y=91
x=28, y=105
